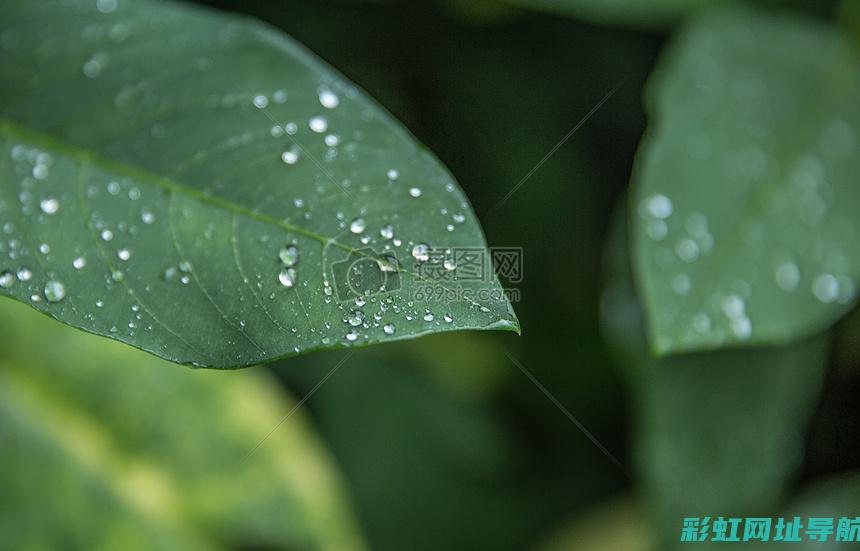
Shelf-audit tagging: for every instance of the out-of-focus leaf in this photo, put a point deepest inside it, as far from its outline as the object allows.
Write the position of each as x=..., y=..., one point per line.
x=104, y=447
x=420, y=458
x=635, y=13
x=617, y=525
x=715, y=432
x=834, y=497
x=166, y=157
x=745, y=194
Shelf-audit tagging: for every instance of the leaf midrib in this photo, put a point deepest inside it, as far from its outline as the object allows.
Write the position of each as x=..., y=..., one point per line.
x=88, y=156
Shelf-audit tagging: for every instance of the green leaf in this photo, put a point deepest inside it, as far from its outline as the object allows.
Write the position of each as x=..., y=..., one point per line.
x=718, y=432
x=634, y=13
x=164, y=157
x=159, y=456
x=745, y=197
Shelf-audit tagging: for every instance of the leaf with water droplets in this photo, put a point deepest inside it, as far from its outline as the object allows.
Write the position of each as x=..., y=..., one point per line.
x=745, y=198
x=200, y=186
x=163, y=458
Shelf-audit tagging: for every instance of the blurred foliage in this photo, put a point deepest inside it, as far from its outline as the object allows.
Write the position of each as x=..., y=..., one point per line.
x=744, y=191
x=714, y=432
x=106, y=447
x=443, y=442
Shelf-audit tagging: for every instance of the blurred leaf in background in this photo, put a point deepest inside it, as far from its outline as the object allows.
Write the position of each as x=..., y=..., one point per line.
x=716, y=432
x=105, y=447
x=744, y=191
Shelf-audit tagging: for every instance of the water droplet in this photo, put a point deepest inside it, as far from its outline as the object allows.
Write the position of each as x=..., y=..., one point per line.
x=290, y=156
x=55, y=291
x=415, y=191
x=449, y=264
x=113, y=188
x=147, y=216
x=107, y=235
x=358, y=225
x=459, y=217
x=40, y=172
x=658, y=206
x=318, y=124
x=421, y=252
x=280, y=96
x=389, y=329
x=429, y=316
x=261, y=101
x=741, y=327
x=94, y=66
x=687, y=249
x=79, y=263
x=328, y=99
x=392, y=174
x=657, y=229
x=289, y=255
x=355, y=318
x=44, y=248
x=825, y=287
x=681, y=284
x=386, y=232
x=49, y=205
x=733, y=306
x=787, y=276
x=123, y=254
x=106, y=6
x=7, y=279
x=287, y=277
x=24, y=274
x=117, y=275
x=331, y=140
x=701, y=323
x=351, y=336
x=448, y=318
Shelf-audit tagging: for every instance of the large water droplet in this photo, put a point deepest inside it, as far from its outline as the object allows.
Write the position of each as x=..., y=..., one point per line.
x=825, y=287
x=261, y=101
x=328, y=99
x=7, y=279
x=787, y=276
x=290, y=156
x=386, y=232
x=389, y=329
x=287, y=277
x=658, y=206
x=289, y=255
x=355, y=318
x=415, y=191
x=49, y=205
x=55, y=291
x=318, y=124
x=358, y=225
x=24, y=274
x=79, y=263
x=421, y=252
